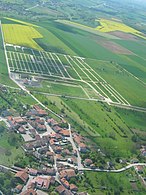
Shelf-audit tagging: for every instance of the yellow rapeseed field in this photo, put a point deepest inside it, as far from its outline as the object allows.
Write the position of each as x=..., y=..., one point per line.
x=22, y=35
x=110, y=26
x=105, y=27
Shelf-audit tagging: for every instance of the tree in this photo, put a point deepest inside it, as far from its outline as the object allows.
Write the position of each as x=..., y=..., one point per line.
x=45, y=103
x=8, y=152
x=2, y=128
x=135, y=138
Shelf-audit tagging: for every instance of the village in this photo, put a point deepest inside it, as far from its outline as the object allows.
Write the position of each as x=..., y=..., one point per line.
x=54, y=145
x=61, y=155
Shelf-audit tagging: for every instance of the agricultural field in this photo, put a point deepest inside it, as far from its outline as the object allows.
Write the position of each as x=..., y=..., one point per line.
x=121, y=80
x=16, y=34
x=113, y=25
x=87, y=28
x=78, y=77
x=63, y=67
x=59, y=56
x=4, y=79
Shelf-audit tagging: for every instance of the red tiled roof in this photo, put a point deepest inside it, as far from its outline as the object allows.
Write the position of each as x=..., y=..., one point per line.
x=60, y=189
x=65, y=182
x=22, y=175
x=43, y=183
x=88, y=161
x=48, y=153
x=36, y=107
x=33, y=171
x=18, y=120
x=19, y=187
x=67, y=173
x=21, y=130
x=82, y=145
x=73, y=187
x=29, y=192
x=65, y=132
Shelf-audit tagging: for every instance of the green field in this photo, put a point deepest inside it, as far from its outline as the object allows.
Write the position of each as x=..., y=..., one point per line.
x=93, y=76
x=105, y=121
x=133, y=90
x=52, y=43
x=9, y=150
x=104, y=183
x=62, y=89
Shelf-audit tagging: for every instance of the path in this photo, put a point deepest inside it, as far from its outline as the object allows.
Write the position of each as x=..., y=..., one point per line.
x=114, y=171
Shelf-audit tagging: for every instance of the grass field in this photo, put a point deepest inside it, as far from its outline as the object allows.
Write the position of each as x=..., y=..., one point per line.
x=123, y=82
x=60, y=88
x=104, y=183
x=134, y=120
x=51, y=43
x=105, y=122
x=8, y=152
x=137, y=47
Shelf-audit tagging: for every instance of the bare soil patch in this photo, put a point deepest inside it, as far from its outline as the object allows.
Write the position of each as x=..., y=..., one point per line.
x=115, y=48
x=134, y=186
x=123, y=35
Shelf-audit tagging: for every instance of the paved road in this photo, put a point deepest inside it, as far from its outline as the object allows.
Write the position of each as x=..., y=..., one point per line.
x=128, y=107
x=79, y=160
x=7, y=168
x=28, y=182
x=114, y=171
x=141, y=178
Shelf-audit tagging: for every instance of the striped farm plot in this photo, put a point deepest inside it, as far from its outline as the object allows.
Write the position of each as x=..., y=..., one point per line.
x=64, y=68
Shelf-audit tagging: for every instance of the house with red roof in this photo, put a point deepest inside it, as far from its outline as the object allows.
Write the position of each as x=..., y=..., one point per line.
x=22, y=176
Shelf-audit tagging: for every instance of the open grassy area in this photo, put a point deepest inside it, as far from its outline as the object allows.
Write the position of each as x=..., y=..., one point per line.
x=58, y=88
x=115, y=135
x=104, y=183
x=52, y=43
x=134, y=120
x=132, y=90
x=137, y=47
x=43, y=63
x=10, y=148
